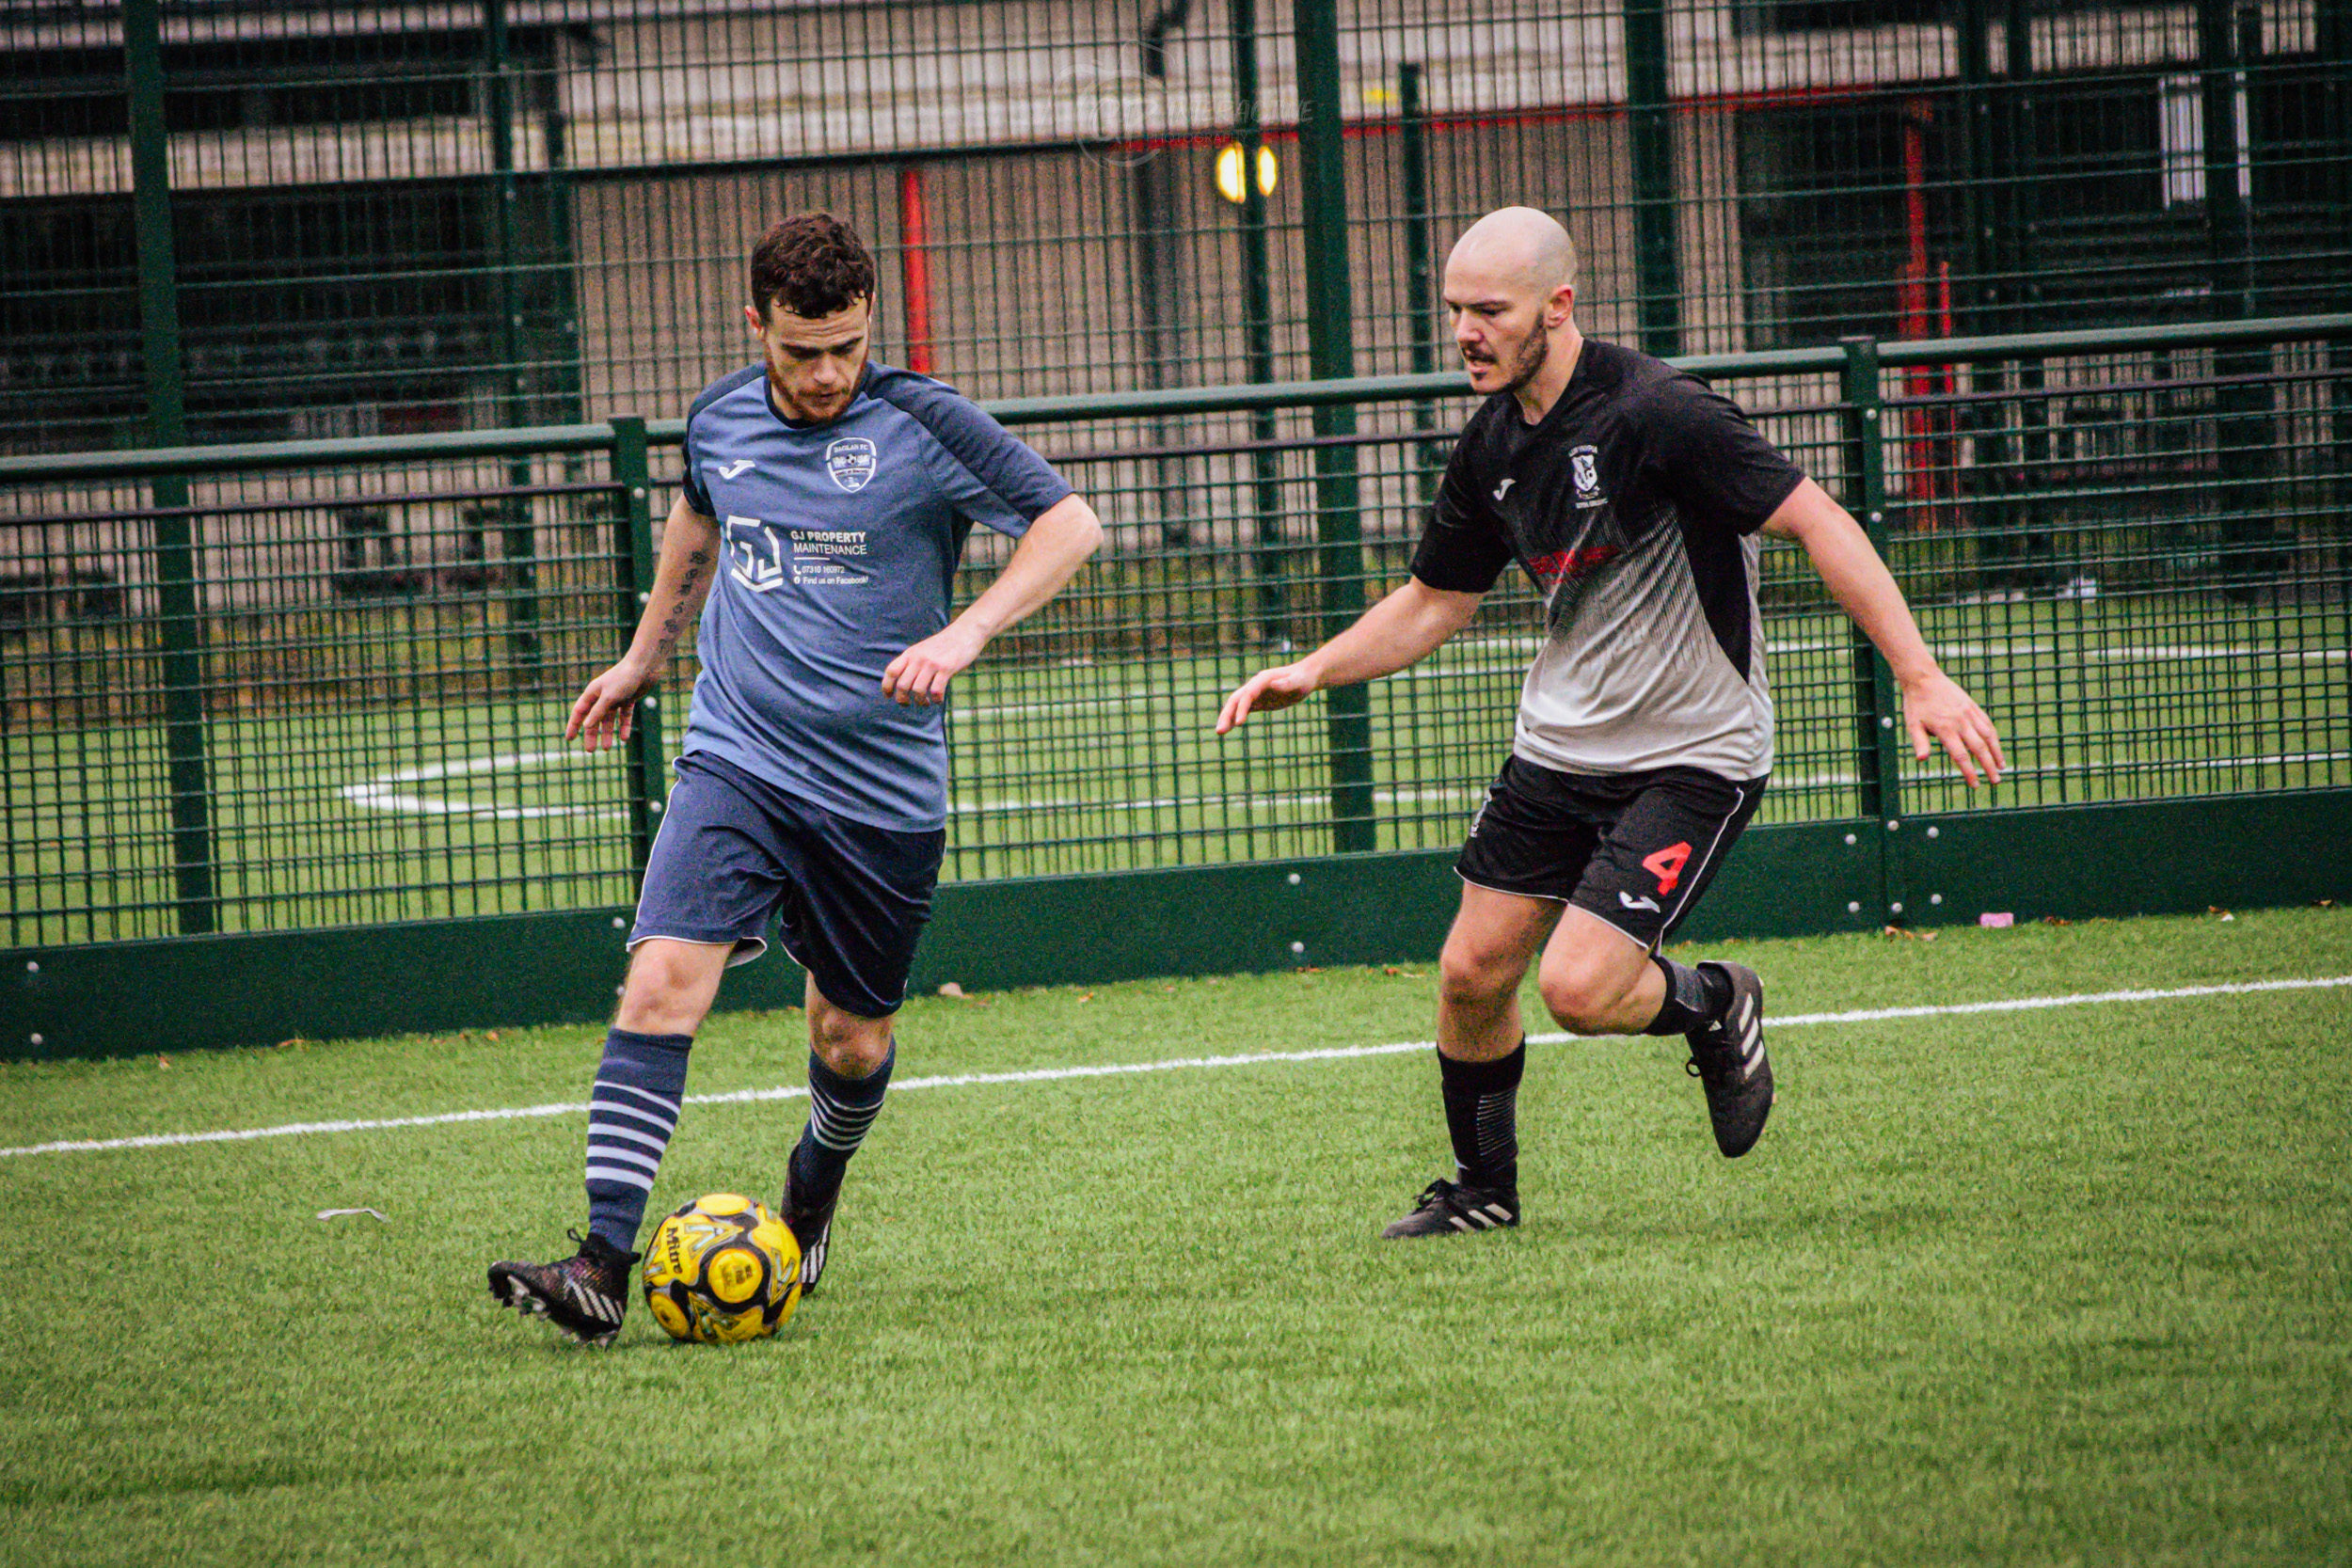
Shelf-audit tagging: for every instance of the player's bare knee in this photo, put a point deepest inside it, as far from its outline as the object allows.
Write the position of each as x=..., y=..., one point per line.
x=851, y=1046
x=662, y=995
x=1584, y=998
x=1471, y=979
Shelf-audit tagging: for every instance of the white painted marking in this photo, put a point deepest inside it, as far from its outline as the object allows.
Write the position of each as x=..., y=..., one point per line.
x=1176, y=1064
x=1230, y=802
x=378, y=793
x=2110, y=765
x=1128, y=697
x=2125, y=653
x=1466, y=792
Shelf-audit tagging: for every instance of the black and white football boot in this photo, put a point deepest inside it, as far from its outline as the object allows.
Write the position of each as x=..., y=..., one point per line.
x=812, y=1226
x=584, y=1294
x=1728, y=1058
x=1451, y=1208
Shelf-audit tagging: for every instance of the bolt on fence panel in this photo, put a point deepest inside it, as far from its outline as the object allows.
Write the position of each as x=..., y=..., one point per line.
x=519, y=212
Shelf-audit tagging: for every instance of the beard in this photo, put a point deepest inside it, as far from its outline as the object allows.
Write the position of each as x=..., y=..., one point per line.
x=1529, y=359
x=1532, y=354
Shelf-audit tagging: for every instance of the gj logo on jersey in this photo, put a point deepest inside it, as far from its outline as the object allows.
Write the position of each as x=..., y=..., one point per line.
x=850, y=461
x=753, y=558
x=1584, y=462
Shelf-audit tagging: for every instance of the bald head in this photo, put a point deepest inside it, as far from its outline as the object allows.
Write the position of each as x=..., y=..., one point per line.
x=1510, y=286
x=1517, y=249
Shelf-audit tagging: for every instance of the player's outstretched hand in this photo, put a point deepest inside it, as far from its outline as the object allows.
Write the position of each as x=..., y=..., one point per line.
x=1268, y=691
x=920, y=675
x=607, y=705
x=1937, y=710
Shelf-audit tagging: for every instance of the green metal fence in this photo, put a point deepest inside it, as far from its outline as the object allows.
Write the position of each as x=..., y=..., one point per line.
x=311, y=693
x=226, y=221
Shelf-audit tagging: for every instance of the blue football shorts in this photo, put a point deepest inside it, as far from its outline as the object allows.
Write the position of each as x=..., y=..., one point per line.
x=735, y=852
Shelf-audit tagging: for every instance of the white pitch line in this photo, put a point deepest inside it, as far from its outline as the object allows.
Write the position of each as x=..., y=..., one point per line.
x=1176, y=1064
x=377, y=794
x=2022, y=1004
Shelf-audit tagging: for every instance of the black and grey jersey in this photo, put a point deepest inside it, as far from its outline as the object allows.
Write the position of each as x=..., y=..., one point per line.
x=1633, y=505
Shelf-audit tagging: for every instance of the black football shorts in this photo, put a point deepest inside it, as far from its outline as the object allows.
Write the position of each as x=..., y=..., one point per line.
x=1636, y=850
x=735, y=852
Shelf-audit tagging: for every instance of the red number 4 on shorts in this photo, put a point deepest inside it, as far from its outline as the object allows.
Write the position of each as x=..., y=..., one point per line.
x=1666, y=865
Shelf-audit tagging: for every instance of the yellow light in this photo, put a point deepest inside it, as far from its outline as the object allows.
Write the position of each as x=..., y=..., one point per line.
x=1229, y=162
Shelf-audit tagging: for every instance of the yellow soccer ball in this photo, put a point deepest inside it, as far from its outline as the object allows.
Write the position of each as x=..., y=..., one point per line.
x=723, y=1270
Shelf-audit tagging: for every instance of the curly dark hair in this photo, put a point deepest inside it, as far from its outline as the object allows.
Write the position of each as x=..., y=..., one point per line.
x=813, y=263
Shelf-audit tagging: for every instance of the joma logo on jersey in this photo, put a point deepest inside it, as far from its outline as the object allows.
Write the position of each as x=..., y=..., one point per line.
x=755, y=558
x=851, y=462
x=1584, y=462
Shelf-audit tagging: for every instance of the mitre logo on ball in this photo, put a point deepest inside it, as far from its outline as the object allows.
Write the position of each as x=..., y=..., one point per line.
x=850, y=461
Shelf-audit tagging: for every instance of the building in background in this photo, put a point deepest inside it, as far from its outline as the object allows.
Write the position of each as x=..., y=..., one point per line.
x=392, y=219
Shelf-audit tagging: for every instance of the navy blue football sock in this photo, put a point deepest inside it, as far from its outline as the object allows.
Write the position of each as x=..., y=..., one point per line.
x=840, y=1111
x=1696, y=998
x=1482, y=1117
x=631, y=1114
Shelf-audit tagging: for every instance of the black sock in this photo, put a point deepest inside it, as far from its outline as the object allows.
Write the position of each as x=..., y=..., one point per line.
x=839, y=1113
x=1482, y=1117
x=1696, y=998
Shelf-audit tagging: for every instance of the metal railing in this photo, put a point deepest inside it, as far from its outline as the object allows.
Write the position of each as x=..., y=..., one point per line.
x=304, y=685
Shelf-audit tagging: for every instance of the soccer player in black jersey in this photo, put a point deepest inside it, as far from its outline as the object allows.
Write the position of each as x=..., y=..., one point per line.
x=1632, y=495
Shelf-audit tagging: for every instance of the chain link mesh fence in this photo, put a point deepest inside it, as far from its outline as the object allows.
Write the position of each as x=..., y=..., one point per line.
x=326, y=685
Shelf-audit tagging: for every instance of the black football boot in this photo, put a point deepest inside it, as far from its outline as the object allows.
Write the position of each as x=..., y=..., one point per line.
x=812, y=1226
x=1450, y=1207
x=584, y=1294
x=1728, y=1058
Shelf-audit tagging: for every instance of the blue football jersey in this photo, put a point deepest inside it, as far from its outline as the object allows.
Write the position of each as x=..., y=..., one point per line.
x=838, y=550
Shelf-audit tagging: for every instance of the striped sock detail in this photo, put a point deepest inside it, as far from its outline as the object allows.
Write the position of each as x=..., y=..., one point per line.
x=1482, y=1117
x=841, y=1110
x=1498, y=1122
x=838, y=1127
x=632, y=1111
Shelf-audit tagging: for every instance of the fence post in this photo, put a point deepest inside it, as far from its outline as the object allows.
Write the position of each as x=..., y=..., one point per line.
x=519, y=545
x=2226, y=47
x=634, y=570
x=1657, y=268
x=1331, y=354
x=1878, y=766
x=1265, y=463
x=1421, y=286
x=180, y=607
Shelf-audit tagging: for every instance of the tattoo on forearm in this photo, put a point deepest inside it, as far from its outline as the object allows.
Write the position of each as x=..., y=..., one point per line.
x=674, y=622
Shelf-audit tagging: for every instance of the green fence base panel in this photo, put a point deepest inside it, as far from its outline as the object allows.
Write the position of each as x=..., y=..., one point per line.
x=196, y=992
x=2160, y=857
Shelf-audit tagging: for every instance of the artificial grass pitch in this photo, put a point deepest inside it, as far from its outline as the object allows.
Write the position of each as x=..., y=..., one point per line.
x=2054, y=1286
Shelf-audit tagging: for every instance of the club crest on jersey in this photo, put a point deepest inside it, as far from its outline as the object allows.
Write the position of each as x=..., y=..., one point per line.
x=851, y=461
x=1584, y=463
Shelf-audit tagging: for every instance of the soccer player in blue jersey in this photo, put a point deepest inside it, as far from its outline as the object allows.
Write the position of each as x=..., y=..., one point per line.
x=827, y=500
